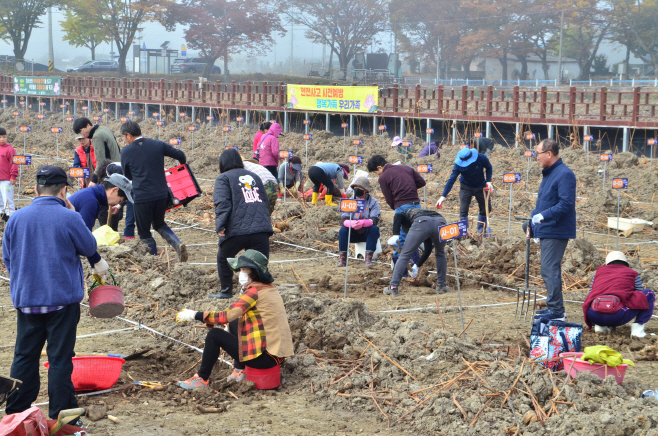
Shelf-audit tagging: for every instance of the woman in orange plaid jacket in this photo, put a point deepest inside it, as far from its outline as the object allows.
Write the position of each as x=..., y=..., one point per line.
x=258, y=333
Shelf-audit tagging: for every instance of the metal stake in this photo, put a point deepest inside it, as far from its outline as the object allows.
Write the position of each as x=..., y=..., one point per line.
x=459, y=292
x=605, y=170
x=509, y=218
x=18, y=195
x=527, y=176
x=347, y=260
x=285, y=181
x=618, y=201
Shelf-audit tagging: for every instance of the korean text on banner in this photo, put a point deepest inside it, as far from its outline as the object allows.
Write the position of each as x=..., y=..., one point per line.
x=333, y=98
x=37, y=85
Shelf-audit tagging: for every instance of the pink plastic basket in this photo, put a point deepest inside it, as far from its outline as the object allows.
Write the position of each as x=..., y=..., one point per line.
x=94, y=373
x=573, y=365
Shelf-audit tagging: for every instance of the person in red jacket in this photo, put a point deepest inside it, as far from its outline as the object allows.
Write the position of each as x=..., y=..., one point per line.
x=617, y=296
x=85, y=157
x=264, y=127
x=8, y=174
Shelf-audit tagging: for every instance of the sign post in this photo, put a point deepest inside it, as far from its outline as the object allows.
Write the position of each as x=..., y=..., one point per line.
x=20, y=161
x=407, y=146
x=239, y=120
x=225, y=131
x=382, y=129
x=605, y=158
x=16, y=115
x=429, y=132
x=511, y=178
x=587, y=139
x=529, y=154
x=192, y=129
x=307, y=137
x=159, y=123
x=56, y=131
x=80, y=173
x=452, y=232
x=107, y=114
x=285, y=154
x=174, y=142
x=619, y=184
x=351, y=206
x=356, y=160
x=70, y=120
x=41, y=117
x=356, y=143
x=344, y=126
x=651, y=142
x=182, y=116
x=424, y=169
x=86, y=109
x=42, y=105
x=32, y=85
x=25, y=130
x=477, y=136
x=4, y=104
x=210, y=119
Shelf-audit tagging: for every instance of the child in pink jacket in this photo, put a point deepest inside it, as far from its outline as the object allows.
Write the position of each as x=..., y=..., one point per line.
x=8, y=175
x=268, y=150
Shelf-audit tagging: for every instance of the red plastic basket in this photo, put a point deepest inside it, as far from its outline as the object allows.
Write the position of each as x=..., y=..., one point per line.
x=95, y=373
x=183, y=184
x=264, y=378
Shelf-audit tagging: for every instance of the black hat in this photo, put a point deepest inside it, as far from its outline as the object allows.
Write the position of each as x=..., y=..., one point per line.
x=51, y=175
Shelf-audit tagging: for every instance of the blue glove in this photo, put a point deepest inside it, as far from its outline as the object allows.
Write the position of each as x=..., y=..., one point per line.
x=537, y=219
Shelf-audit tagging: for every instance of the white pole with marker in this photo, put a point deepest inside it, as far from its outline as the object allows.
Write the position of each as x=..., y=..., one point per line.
x=511, y=179
x=452, y=232
x=351, y=206
x=424, y=169
x=619, y=184
x=605, y=158
x=307, y=137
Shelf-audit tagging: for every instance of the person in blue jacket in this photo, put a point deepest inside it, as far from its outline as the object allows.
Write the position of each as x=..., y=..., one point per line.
x=475, y=171
x=90, y=201
x=41, y=249
x=554, y=222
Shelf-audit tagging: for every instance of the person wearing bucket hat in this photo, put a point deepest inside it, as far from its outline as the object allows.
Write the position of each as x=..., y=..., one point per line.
x=397, y=142
x=90, y=201
x=364, y=225
x=474, y=171
x=326, y=173
x=41, y=248
x=290, y=174
x=258, y=335
x=617, y=297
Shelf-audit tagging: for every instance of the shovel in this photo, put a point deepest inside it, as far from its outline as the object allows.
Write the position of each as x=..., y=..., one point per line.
x=486, y=209
x=65, y=417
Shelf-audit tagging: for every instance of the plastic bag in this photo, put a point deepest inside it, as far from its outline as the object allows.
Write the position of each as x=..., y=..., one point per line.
x=106, y=236
x=549, y=339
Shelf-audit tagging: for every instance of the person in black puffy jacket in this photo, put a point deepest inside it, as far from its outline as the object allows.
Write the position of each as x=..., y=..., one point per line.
x=242, y=218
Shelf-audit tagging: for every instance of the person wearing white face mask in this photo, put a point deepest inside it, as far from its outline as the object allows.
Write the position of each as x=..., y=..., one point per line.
x=258, y=336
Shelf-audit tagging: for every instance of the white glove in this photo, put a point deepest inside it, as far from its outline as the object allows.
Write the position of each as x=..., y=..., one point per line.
x=490, y=188
x=393, y=241
x=414, y=271
x=101, y=268
x=439, y=204
x=537, y=219
x=185, y=315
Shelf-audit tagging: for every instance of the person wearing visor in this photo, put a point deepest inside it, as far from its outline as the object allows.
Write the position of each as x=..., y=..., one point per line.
x=364, y=225
x=474, y=171
x=290, y=174
x=41, y=248
x=89, y=202
x=258, y=333
x=326, y=173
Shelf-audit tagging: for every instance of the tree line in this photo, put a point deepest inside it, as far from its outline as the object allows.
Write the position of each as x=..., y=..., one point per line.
x=454, y=31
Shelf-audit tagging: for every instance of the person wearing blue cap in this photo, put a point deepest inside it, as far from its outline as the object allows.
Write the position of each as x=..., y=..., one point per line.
x=475, y=171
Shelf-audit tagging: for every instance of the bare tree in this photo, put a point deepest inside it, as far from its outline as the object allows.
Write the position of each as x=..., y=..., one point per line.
x=17, y=20
x=347, y=26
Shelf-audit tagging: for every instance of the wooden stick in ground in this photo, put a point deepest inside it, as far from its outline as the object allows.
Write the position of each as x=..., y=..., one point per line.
x=466, y=328
x=454, y=400
x=477, y=415
x=380, y=409
x=438, y=308
x=498, y=331
x=388, y=358
x=300, y=279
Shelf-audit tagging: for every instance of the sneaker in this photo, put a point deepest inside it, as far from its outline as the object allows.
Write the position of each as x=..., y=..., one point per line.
x=442, y=289
x=237, y=375
x=193, y=382
x=391, y=291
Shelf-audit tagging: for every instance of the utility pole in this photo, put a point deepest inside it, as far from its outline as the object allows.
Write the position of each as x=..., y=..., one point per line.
x=438, y=59
x=559, y=61
x=51, y=53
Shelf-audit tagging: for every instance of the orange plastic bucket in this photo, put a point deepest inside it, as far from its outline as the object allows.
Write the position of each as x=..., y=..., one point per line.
x=264, y=378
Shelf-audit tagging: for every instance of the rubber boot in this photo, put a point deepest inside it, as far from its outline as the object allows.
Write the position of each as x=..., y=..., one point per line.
x=601, y=329
x=150, y=243
x=171, y=238
x=637, y=330
x=224, y=293
x=314, y=199
x=343, y=260
x=481, y=223
x=327, y=200
x=369, y=263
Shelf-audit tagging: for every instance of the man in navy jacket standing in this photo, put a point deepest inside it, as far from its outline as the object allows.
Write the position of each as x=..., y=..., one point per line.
x=41, y=249
x=142, y=161
x=554, y=222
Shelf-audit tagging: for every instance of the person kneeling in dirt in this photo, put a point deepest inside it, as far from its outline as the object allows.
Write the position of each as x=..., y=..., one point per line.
x=290, y=175
x=258, y=333
x=364, y=225
x=474, y=171
x=324, y=174
x=617, y=296
x=269, y=181
x=422, y=227
x=242, y=220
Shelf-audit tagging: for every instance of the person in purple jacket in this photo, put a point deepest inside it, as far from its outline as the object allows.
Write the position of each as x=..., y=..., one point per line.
x=430, y=149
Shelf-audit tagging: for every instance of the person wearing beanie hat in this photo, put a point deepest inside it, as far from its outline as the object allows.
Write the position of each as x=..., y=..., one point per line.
x=8, y=175
x=326, y=173
x=617, y=297
x=474, y=171
x=258, y=333
x=364, y=225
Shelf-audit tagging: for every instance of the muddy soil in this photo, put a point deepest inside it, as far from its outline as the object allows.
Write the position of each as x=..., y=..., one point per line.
x=341, y=379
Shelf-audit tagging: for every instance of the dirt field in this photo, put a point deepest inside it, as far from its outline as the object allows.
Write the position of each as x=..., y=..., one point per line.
x=367, y=363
